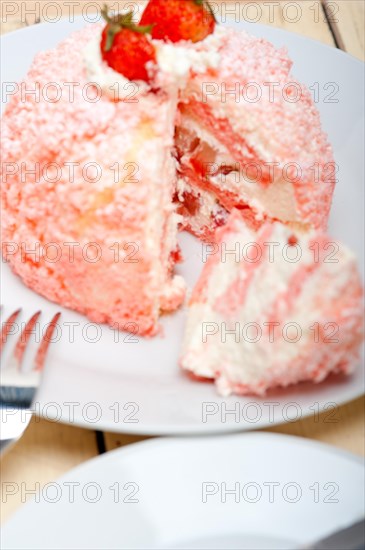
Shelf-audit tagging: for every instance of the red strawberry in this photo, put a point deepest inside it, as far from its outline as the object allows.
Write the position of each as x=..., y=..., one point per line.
x=176, y=20
x=125, y=46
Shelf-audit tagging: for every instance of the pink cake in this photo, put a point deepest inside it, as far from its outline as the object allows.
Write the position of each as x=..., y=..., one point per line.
x=105, y=231
x=249, y=137
x=116, y=177
x=273, y=308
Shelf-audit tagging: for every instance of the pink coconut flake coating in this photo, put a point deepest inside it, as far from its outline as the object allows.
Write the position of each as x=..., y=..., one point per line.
x=100, y=197
x=308, y=315
x=94, y=189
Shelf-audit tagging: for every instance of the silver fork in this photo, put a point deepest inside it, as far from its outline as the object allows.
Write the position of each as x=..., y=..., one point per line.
x=21, y=373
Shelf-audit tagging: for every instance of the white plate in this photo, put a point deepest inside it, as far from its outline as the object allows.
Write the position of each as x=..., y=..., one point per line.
x=137, y=387
x=304, y=491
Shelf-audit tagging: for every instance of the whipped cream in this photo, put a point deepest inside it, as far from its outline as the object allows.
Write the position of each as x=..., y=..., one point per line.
x=179, y=59
x=175, y=61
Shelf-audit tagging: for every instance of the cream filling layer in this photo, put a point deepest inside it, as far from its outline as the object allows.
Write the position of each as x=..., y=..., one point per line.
x=277, y=200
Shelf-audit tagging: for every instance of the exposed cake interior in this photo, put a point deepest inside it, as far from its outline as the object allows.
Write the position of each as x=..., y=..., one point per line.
x=212, y=182
x=249, y=134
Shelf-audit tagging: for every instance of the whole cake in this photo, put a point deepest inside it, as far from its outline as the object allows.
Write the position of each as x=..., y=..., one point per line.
x=106, y=169
x=272, y=308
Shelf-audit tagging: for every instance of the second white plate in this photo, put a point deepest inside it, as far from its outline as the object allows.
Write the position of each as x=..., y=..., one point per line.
x=252, y=491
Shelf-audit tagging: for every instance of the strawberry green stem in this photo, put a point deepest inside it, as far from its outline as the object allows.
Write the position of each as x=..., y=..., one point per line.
x=205, y=3
x=118, y=22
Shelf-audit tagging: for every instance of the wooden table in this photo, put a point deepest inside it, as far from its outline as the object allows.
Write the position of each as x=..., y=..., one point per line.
x=48, y=449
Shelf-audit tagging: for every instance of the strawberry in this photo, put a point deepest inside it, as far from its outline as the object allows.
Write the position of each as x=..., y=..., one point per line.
x=176, y=20
x=125, y=46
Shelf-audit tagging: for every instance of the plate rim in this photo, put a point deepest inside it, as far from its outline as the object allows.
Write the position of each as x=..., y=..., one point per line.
x=221, y=429
x=241, y=440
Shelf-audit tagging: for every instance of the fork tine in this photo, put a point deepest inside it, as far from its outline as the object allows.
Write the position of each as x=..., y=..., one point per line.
x=7, y=326
x=46, y=340
x=24, y=339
